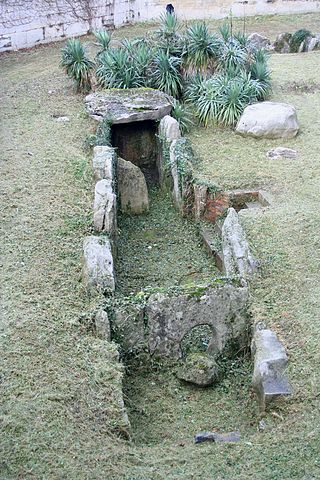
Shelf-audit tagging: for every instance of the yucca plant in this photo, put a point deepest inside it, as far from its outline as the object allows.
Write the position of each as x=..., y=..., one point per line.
x=232, y=55
x=183, y=114
x=166, y=74
x=225, y=31
x=76, y=64
x=260, y=72
x=202, y=48
x=167, y=36
x=194, y=88
x=103, y=39
x=116, y=70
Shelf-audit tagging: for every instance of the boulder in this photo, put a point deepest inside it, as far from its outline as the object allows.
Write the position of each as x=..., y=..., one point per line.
x=169, y=129
x=98, y=273
x=282, y=43
x=268, y=120
x=237, y=258
x=104, y=161
x=259, y=41
x=312, y=43
x=129, y=328
x=128, y=105
x=105, y=208
x=270, y=361
x=223, y=309
x=281, y=152
x=199, y=369
x=132, y=188
x=102, y=325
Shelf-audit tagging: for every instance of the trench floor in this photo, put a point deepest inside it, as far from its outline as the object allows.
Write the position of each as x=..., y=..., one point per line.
x=160, y=249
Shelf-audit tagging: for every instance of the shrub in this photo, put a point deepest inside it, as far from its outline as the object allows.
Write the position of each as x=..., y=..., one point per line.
x=166, y=74
x=76, y=64
x=183, y=114
x=297, y=38
x=116, y=70
x=202, y=48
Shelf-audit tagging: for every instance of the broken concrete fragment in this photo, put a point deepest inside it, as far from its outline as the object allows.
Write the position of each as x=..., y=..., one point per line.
x=102, y=325
x=282, y=152
x=98, y=273
x=132, y=187
x=105, y=208
x=237, y=257
x=230, y=437
x=270, y=361
x=199, y=369
x=104, y=161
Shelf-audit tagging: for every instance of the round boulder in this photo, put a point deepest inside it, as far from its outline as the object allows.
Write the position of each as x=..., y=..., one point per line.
x=199, y=369
x=269, y=120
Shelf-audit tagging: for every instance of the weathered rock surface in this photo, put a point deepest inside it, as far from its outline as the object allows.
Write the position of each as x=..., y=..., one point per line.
x=169, y=129
x=223, y=309
x=259, y=41
x=104, y=162
x=230, y=437
x=102, y=325
x=105, y=208
x=282, y=43
x=128, y=105
x=98, y=273
x=269, y=120
x=282, y=152
x=129, y=328
x=237, y=257
x=199, y=369
x=312, y=43
x=176, y=192
x=200, y=200
x=270, y=361
x=132, y=188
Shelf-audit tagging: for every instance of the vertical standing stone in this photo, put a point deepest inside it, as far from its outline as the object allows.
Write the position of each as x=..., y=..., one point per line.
x=105, y=208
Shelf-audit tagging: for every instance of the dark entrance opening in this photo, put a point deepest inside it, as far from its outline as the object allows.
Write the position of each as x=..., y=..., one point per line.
x=137, y=143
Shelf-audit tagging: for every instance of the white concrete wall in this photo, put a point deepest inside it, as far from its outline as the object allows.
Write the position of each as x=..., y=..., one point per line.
x=25, y=23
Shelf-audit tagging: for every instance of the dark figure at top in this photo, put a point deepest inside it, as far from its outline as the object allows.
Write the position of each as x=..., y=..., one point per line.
x=170, y=8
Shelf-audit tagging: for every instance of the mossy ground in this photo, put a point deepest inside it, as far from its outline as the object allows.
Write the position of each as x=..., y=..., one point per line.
x=160, y=249
x=50, y=380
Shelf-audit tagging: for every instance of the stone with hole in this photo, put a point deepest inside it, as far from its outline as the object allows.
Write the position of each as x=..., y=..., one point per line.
x=98, y=272
x=268, y=120
x=132, y=187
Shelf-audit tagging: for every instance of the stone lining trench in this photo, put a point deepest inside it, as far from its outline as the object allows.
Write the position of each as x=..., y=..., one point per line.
x=195, y=323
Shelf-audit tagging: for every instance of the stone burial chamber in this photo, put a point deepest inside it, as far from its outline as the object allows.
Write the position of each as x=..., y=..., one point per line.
x=167, y=323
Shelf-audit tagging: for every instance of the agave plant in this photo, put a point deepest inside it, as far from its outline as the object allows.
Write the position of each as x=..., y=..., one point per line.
x=202, y=47
x=166, y=74
x=76, y=64
x=167, y=36
x=260, y=72
x=103, y=39
x=183, y=114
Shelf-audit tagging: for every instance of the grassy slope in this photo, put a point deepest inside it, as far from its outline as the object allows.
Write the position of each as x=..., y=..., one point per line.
x=56, y=388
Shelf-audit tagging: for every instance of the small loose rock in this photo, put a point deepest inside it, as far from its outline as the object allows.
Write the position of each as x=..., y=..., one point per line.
x=230, y=437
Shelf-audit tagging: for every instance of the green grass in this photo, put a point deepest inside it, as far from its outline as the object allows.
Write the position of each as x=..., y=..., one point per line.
x=160, y=249
x=59, y=384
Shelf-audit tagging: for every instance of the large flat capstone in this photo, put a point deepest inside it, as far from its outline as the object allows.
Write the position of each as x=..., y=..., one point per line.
x=128, y=105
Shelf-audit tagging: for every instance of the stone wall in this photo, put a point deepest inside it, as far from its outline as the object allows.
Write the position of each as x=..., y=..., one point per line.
x=25, y=23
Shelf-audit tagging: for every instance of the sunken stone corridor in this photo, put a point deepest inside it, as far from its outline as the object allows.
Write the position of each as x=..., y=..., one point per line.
x=171, y=257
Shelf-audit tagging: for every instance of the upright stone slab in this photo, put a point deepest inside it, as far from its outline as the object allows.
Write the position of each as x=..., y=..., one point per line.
x=98, y=273
x=270, y=361
x=200, y=200
x=176, y=192
x=132, y=188
x=171, y=318
x=258, y=41
x=268, y=120
x=169, y=131
x=237, y=257
x=104, y=162
x=128, y=324
x=105, y=208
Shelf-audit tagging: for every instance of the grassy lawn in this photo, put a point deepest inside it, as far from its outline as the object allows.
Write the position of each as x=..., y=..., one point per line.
x=60, y=410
